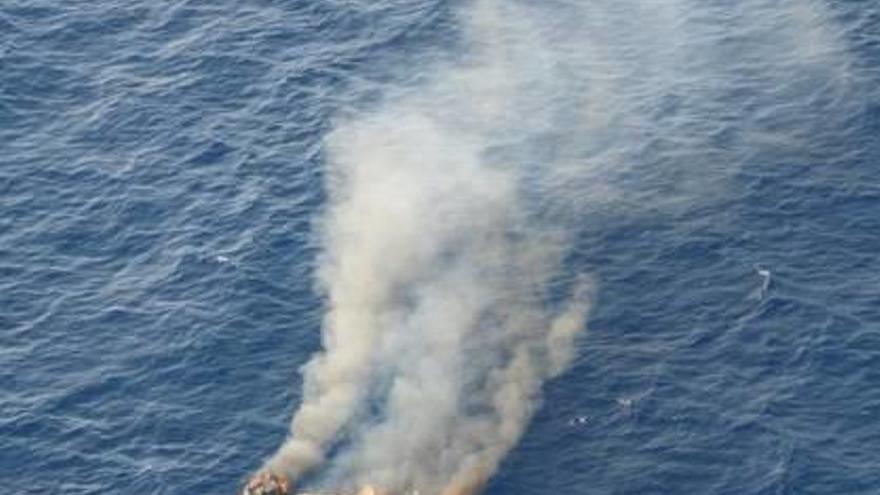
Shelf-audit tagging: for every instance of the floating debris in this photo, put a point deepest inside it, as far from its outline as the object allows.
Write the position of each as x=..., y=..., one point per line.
x=765, y=280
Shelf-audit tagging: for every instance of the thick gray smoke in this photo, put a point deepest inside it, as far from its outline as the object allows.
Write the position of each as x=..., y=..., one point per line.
x=447, y=303
x=440, y=312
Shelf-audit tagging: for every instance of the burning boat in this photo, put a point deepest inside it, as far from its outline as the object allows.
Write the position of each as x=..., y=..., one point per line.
x=269, y=483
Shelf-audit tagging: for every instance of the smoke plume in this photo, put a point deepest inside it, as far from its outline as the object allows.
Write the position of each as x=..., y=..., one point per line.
x=449, y=221
x=441, y=314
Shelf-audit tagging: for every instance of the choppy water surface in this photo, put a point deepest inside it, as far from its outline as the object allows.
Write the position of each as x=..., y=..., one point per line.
x=712, y=166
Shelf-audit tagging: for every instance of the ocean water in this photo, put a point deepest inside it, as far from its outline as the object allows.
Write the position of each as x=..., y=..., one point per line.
x=163, y=171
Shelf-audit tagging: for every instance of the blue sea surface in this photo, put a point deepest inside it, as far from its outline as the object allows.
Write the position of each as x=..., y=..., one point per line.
x=162, y=175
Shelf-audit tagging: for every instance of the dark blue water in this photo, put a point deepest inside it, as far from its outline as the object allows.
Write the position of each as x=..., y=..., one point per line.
x=161, y=176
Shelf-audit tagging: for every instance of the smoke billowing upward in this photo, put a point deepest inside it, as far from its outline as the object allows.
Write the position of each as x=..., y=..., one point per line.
x=448, y=306
x=441, y=315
